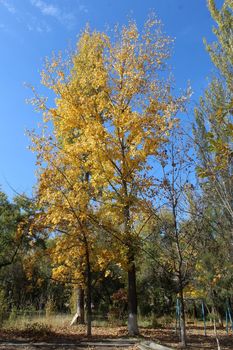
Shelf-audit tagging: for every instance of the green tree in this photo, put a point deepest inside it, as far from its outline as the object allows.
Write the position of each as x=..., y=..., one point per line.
x=213, y=133
x=213, y=129
x=10, y=241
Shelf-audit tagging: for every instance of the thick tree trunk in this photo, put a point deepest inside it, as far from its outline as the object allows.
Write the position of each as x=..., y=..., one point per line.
x=79, y=316
x=132, y=290
x=132, y=299
x=80, y=305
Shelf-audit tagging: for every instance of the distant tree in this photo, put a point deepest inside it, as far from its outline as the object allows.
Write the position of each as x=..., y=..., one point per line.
x=10, y=238
x=157, y=286
x=16, y=242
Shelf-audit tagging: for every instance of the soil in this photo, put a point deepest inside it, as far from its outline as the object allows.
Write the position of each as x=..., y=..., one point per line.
x=196, y=340
x=109, y=338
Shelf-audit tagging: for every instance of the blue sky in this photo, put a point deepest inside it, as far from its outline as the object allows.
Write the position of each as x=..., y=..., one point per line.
x=30, y=30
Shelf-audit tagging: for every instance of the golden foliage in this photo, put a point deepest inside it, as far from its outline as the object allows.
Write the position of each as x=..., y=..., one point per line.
x=112, y=113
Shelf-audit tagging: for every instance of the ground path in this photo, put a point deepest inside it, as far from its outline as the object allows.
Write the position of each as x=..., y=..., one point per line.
x=115, y=338
x=106, y=344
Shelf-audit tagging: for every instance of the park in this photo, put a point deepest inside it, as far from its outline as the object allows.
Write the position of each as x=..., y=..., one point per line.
x=125, y=238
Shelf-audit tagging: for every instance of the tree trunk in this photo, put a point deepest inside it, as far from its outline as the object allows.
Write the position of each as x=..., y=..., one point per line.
x=79, y=316
x=132, y=299
x=80, y=305
x=89, y=310
x=182, y=318
x=217, y=308
x=132, y=290
x=215, y=329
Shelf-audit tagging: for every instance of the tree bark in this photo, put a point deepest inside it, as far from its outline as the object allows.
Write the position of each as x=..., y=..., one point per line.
x=79, y=316
x=217, y=308
x=88, y=279
x=182, y=318
x=132, y=290
x=80, y=305
x=132, y=299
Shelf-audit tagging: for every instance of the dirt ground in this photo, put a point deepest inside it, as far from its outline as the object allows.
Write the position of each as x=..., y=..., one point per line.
x=195, y=338
x=109, y=338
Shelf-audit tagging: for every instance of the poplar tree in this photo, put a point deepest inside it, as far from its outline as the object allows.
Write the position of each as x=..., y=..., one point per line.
x=213, y=133
x=113, y=110
x=214, y=124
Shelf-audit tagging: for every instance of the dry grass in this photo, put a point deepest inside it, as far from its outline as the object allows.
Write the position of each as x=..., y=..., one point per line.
x=56, y=328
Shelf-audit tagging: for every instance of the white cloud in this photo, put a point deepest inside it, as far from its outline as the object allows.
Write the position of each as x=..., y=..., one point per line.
x=48, y=9
x=10, y=8
x=25, y=19
x=35, y=25
x=67, y=18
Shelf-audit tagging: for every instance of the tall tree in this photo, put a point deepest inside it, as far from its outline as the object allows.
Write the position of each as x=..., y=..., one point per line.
x=214, y=124
x=113, y=111
x=179, y=230
x=221, y=52
x=213, y=137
